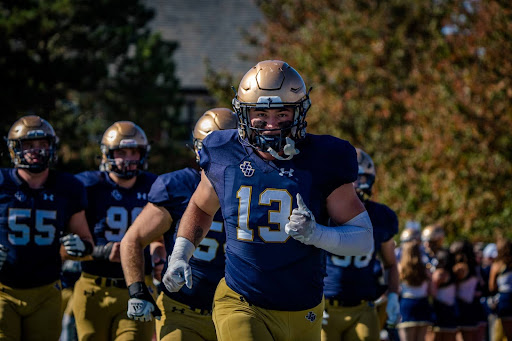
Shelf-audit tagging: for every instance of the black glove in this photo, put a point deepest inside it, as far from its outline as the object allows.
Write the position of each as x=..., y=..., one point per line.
x=141, y=304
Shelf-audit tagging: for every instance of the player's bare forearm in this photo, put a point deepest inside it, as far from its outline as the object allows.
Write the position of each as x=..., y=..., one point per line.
x=149, y=226
x=194, y=224
x=198, y=216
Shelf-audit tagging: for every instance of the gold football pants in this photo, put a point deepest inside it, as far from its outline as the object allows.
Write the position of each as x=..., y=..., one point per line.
x=351, y=323
x=235, y=319
x=180, y=323
x=30, y=314
x=100, y=312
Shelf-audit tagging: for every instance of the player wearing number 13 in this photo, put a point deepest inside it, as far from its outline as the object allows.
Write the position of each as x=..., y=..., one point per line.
x=117, y=193
x=274, y=259
x=37, y=206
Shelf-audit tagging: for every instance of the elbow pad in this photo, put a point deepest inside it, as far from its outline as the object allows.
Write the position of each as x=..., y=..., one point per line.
x=354, y=238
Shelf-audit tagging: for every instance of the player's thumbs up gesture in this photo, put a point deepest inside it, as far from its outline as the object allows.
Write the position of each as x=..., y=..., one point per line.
x=302, y=222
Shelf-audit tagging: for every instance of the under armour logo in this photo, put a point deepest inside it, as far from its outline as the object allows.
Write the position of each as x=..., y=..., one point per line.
x=283, y=172
x=311, y=316
x=20, y=196
x=247, y=169
x=142, y=196
x=174, y=309
x=116, y=195
x=138, y=307
x=48, y=197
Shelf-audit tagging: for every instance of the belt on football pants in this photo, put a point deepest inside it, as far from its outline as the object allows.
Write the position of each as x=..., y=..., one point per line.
x=107, y=281
x=342, y=303
x=200, y=311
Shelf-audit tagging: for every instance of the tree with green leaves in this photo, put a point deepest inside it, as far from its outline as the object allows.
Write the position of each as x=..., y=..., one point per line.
x=84, y=64
x=422, y=86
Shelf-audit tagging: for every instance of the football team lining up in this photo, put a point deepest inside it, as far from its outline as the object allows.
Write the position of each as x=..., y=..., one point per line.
x=272, y=237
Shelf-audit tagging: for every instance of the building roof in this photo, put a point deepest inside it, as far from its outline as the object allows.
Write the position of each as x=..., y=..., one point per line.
x=206, y=29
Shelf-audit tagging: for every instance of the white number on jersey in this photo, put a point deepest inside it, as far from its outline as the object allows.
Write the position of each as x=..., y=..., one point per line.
x=20, y=233
x=118, y=222
x=358, y=261
x=277, y=217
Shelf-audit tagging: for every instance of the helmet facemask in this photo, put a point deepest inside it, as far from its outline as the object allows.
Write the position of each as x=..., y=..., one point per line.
x=266, y=140
x=363, y=185
x=24, y=151
x=25, y=158
x=272, y=84
x=122, y=169
x=124, y=135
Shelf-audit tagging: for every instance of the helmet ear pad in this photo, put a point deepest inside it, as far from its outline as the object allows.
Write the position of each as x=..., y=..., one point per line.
x=27, y=128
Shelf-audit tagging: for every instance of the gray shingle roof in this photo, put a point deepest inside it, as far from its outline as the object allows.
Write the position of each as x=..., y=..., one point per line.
x=206, y=29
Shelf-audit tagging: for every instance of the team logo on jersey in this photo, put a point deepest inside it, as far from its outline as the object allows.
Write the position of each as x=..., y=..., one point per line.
x=20, y=196
x=48, y=197
x=283, y=172
x=142, y=196
x=247, y=169
x=311, y=317
x=116, y=195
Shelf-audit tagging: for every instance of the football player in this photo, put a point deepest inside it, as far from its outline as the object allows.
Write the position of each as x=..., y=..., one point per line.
x=276, y=187
x=351, y=286
x=117, y=193
x=186, y=315
x=38, y=207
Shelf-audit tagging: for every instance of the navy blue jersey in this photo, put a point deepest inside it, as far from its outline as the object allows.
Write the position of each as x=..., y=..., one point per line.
x=173, y=191
x=265, y=265
x=31, y=223
x=111, y=211
x=352, y=279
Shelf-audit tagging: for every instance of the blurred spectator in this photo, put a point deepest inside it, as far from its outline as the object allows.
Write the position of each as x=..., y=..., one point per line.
x=445, y=309
x=415, y=288
x=500, y=281
x=471, y=312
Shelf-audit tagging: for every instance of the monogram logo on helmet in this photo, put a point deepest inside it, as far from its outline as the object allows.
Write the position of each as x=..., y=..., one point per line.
x=247, y=169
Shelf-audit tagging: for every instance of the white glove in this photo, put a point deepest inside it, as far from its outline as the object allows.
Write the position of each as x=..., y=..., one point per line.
x=3, y=255
x=393, y=309
x=179, y=271
x=74, y=245
x=140, y=310
x=302, y=223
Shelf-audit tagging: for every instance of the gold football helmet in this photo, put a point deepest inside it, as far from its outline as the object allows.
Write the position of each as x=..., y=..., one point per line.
x=213, y=119
x=32, y=127
x=365, y=175
x=124, y=134
x=272, y=84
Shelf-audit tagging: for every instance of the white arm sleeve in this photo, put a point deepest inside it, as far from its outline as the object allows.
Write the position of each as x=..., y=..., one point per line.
x=354, y=238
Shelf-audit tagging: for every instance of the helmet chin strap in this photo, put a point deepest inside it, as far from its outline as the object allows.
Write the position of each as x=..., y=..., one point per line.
x=289, y=149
